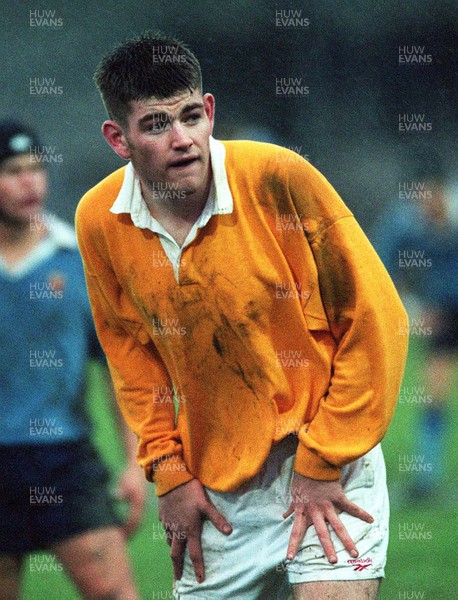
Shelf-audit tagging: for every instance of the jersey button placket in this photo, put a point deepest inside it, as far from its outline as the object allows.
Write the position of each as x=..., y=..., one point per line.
x=183, y=268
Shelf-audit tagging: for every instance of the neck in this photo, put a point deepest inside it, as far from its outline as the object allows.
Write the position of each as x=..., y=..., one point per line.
x=12, y=233
x=17, y=239
x=186, y=209
x=177, y=216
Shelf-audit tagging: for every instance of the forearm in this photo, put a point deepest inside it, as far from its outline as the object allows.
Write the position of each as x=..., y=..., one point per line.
x=367, y=321
x=139, y=376
x=137, y=368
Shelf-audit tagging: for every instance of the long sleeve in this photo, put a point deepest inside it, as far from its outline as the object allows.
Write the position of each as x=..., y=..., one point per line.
x=220, y=333
x=143, y=387
x=368, y=324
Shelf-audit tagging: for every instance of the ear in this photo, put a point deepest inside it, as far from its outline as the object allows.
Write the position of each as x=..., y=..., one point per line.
x=116, y=138
x=209, y=106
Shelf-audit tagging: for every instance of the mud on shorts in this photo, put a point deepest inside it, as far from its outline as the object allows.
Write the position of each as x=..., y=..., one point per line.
x=250, y=563
x=52, y=492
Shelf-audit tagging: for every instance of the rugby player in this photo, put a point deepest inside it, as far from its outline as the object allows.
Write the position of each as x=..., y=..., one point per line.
x=54, y=489
x=271, y=476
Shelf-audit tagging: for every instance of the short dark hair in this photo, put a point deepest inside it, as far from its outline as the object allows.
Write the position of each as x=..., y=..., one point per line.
x=151, y=64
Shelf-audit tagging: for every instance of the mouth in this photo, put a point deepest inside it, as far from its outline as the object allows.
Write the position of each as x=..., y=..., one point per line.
x=183, y=162
x=31, y=201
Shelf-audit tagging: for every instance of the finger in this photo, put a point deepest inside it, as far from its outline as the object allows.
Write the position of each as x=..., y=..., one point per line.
x=342, y=534
x=289, y=511
x=195, y=554
x=355, y=510
x=168, y=535
x=300, y=526
x=133, y=519
x=322, y=532
x=177, y=555
x=128, y=528
x=120, y=493
x=136, y=511
x=127, y=525
x=218, y=520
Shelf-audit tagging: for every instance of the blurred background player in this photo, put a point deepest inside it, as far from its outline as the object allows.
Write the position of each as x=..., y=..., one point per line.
x=418, y=242
x=54, y=488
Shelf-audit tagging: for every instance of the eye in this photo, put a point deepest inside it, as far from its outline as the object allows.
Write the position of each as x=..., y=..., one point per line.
x=192, y=118
x=12, y=171
x=157, y=126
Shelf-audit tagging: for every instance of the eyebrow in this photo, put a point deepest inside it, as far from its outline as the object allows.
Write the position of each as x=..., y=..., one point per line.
x=186, y=108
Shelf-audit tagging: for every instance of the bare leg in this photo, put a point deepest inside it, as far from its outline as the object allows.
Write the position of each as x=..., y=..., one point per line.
x=366, y=589
x=440, y=371
x=98, y=564
x=439, y=374
x=10, y=572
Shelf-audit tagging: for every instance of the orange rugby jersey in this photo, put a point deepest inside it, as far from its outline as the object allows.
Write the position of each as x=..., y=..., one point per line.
x=283, y=319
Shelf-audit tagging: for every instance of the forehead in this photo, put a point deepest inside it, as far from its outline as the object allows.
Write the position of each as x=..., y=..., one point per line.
x=20, y=161
x=171, y=106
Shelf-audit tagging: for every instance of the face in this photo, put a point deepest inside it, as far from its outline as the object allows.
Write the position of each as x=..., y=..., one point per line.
x=23, y=187
x=167, y=141
x=436, y=209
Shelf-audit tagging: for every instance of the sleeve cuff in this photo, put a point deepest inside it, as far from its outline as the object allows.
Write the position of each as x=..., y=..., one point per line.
x=167, y=474
x=309, y=464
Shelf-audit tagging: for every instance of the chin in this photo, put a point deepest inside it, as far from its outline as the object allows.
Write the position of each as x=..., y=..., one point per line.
x=31, y=213
x=19, y=220
x=186, y=188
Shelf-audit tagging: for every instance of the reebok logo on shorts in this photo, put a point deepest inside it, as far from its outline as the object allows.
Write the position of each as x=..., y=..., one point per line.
x=360, y=564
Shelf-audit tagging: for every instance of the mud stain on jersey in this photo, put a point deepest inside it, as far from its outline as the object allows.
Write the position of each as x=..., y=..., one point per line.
x=337, y=286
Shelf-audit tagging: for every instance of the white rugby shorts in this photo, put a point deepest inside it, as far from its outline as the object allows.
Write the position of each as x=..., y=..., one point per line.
x=250, y=563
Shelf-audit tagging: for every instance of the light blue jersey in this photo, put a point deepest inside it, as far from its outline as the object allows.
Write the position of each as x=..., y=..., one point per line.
x=46, y=338
x=420, y=256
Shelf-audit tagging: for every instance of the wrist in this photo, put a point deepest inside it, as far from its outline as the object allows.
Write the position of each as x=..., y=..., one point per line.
x=168, y=473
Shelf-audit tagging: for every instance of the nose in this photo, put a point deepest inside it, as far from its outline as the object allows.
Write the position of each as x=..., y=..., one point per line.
x=32, y=182
x=181, y=139
x=29, y=179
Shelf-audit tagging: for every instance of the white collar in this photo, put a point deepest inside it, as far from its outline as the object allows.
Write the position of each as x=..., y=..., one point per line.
x=60, y=232
x=220, y=201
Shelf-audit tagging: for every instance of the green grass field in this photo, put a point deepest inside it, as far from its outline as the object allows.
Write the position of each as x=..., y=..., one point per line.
x=417, y=568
